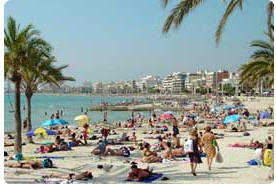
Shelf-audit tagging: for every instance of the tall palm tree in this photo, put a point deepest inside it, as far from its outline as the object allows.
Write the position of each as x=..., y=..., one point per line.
x=261, y=63
x=184, y=7
x=45, y=73
x=16, y=44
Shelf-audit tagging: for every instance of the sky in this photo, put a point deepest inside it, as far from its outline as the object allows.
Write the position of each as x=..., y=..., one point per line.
x=108, y=40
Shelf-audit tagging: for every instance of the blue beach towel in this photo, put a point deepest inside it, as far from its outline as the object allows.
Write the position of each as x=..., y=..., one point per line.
x=152, y=178
x=232, y=118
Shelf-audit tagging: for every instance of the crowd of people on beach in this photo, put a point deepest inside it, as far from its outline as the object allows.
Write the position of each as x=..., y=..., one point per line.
x=169, y=146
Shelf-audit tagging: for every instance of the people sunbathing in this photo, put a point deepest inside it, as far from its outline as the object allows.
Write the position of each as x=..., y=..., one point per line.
x=82, y=176
x=38, y=164
x=149, y=156
x=123, y=151
x=173, y=153
x=100, y=149
x=75, y=141
x=138, y=174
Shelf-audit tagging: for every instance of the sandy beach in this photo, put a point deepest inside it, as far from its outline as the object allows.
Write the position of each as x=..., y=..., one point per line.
x=234, y=168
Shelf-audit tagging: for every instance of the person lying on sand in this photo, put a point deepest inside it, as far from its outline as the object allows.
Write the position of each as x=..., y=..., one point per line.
x=82, y=176
x=138, y=174
x=149, y=156
x=252, y=144
x=100, y=149
x=38, y=164
x=123, y=151
x=173, y=153
x=125, y=137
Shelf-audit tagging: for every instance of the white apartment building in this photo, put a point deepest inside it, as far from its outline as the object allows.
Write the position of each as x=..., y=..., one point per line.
x=174, y=83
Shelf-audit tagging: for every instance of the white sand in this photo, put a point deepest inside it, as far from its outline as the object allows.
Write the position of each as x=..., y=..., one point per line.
x=234, y=169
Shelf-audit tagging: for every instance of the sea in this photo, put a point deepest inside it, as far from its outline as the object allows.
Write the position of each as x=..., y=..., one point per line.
x=45, y=105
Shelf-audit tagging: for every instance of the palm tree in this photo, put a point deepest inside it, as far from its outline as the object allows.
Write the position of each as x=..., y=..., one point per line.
x=16, y=44
x=261, y=64
x=184, y=7
x=45, y=73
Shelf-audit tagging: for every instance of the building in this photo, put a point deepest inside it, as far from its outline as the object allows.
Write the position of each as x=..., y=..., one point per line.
x=86, y=87
x=98, y=86
x=174, y=83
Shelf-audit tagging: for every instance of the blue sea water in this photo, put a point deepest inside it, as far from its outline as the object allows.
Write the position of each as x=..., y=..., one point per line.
x=71, y=106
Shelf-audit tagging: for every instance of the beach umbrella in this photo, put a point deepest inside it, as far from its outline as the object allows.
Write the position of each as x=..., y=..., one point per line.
x=166, y=116
x=232, y=118
x=82, y=119
x=54, y=122
x=40, y=132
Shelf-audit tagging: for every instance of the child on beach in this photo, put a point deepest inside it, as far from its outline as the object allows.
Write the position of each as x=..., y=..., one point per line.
x=85, y=133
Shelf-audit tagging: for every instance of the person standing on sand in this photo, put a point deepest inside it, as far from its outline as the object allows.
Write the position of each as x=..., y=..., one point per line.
x=209, y=143
x=175, y=126
x=195, y=155
x=258, y=117
x=85, y=133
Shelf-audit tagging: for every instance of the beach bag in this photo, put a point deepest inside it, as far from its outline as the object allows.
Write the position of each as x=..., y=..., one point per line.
x=252, y=162
x=268, y=157
x=18, y=157
x=219, y=158
x=214, y=143
x=246, y=134
x=188, y=146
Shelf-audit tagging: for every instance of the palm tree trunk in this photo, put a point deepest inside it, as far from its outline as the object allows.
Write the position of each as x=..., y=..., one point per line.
x=17, y=118
x=29, y=94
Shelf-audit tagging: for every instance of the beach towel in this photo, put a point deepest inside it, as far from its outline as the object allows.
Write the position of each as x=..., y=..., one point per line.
x=264, y=115
x=176, y=160
x=232, y=118
x=151, y=178
x=242, y=145
x=50, y=157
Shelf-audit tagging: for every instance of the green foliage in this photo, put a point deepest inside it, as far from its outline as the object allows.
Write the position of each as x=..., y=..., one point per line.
x=185, y=7
x=261, y=63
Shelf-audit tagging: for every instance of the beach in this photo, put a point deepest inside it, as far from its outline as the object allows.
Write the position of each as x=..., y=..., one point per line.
x=233, y=170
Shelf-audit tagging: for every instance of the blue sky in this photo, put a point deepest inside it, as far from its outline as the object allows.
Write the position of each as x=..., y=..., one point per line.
x=104, y=40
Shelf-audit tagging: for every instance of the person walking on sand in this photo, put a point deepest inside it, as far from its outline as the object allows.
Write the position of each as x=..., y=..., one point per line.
x=209, y=144
x=195, y=155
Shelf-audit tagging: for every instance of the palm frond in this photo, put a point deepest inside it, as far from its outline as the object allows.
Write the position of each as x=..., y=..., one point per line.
x=178, y=13
x=230, y=8
x=270, y=11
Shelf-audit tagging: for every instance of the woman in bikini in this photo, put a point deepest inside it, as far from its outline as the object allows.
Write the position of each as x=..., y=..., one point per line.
x=149, y=156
